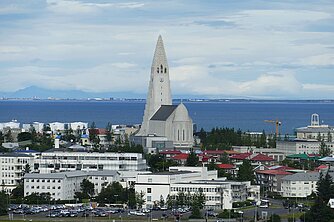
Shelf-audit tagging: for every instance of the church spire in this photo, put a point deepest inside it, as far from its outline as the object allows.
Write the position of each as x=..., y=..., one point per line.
x=159, y=63
x=159, y=92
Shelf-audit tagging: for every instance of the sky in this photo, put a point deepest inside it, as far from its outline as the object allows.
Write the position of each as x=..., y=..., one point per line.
x=255, y=49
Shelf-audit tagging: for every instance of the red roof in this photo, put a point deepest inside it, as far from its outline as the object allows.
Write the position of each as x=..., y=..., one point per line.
x=273, y=172
x=282, y=168
x=225, y=166
x=219, y=152
x=170, y=152
x=205, y=159
x=241, y=156
x=261, y=157
x=321, y=167
x=181, y=156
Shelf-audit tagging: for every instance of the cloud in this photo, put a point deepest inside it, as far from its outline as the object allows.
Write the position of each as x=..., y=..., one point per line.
x=318, y=60
x=72, y=6
x=198, y=80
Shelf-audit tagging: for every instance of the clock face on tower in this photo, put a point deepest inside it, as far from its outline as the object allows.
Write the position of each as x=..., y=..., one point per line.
x=161, y=79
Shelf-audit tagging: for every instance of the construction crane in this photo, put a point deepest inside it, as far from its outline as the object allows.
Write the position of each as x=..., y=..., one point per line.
x=277, y=124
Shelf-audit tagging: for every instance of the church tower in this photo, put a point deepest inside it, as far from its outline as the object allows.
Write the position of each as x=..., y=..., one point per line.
x=159, y=92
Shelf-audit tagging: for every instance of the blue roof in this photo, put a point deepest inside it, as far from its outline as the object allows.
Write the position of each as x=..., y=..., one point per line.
x=84, y=136
x=26, y=151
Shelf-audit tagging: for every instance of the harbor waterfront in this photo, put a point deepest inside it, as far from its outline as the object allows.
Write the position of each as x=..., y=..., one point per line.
x=244, y=115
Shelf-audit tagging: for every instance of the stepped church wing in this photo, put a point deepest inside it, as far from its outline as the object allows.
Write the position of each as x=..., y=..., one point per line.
x=161, y=117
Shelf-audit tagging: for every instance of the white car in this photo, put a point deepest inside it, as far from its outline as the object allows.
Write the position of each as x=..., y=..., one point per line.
x=140, y=214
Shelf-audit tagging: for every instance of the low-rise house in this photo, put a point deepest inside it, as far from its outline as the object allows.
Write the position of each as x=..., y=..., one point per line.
x=261, y=159
x=228, y=168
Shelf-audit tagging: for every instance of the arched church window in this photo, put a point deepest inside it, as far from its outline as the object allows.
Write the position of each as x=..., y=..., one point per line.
x=161, y=68
x=178, y=134
x=183, y=135
x=157, y=69
x=165, y=70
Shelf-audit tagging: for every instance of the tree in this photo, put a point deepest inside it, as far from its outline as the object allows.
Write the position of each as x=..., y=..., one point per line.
x=192, y=159
x=41, y=198
x=224, y=158
x=275, y=218
x=140, y=200
x=86, y=190
x=246, y=172
x=325, y=187
x=26, y=169
x=8, y=136
x=18, y=191
x=324, y=150
x=320, y=211
x=162, y=201
x=24, y=136
x=3, y=203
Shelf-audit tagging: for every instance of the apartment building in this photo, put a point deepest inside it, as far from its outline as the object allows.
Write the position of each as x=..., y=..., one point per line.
x=299, y=184
x=59, y=160
x=12, y=168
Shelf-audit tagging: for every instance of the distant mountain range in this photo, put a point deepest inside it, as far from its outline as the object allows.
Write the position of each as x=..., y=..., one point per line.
x=40, y=93
x=34, y=92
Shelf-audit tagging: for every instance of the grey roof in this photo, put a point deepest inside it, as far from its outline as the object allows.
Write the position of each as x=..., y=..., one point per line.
x=164, y=112
x=171, y=173
x=61, y=175
x=14, y=155
x=76, y=173
x=310, y=176
x=322, y=129
x=103, y=173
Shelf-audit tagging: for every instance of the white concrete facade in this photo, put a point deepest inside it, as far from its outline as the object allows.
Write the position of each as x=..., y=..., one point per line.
x=62, y=186
x=12, y=125
x=299, y=184
x=12, y=166
x=26, y=127
x=301, y=146
x=92, y=161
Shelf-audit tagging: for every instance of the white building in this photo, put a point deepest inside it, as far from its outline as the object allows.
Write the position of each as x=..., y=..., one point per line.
x=219, y=193
x=62, y=186
x=12, y=125
x=78, y=126
x=57, y=160
x=12, y=166
x=315, y=131
x=26, y=127
x=161, y=117
x=155, y=185
x=101, y=179
x=299, y=184
x=301, y=146
x=57, y=127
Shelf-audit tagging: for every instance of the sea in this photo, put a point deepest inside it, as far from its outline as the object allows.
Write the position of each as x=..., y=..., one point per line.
x=244, y=115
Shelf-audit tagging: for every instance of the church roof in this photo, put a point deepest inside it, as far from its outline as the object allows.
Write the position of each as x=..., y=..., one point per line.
x=163, y=112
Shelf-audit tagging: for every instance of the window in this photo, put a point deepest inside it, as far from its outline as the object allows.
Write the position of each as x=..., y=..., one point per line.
x=149, y=190
x=149, y=180
x=149, y=198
